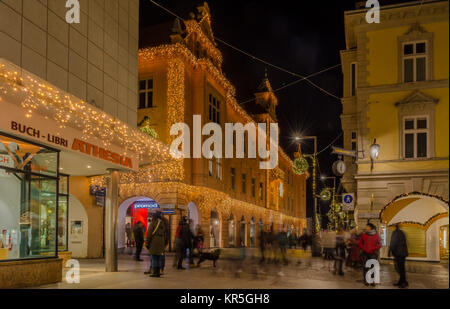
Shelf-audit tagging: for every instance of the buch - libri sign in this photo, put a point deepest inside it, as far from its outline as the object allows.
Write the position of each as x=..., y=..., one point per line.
x=47, y=132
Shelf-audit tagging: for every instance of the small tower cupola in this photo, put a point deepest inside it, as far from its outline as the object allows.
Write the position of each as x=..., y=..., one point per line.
x=266, y=98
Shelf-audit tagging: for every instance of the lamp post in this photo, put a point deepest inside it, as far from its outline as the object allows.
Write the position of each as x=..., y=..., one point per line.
x=314, y=185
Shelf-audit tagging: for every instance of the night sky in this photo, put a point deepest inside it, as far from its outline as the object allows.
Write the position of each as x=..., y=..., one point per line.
x=301, y=36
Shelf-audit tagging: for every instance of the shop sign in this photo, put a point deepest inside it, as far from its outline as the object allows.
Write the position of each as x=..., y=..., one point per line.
x=99, y=193
x=168, y=211
x=98, y=152
x=48, y=132
x=368, y=215
x=145, y=204
x=167, y=206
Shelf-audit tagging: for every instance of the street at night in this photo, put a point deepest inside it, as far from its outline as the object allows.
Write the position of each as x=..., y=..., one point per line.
x=172, y=150
x=312, y=273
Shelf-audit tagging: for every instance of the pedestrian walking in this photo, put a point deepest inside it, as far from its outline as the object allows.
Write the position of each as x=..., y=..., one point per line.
x=354, y=255
x=167, y=240
x=156, y=243
x=283, y=244
x=399, y=249
x=128, y=233
x=370, y=244
x=262, y=244
x=139, y=232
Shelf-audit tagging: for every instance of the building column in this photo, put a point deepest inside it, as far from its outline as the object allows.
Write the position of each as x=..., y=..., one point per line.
x=112, y=194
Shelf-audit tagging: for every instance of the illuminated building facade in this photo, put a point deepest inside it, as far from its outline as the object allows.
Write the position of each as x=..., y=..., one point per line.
x=396, y=95
x=231, y=199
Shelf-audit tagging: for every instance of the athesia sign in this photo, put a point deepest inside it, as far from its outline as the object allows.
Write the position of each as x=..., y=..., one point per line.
x=101, y=153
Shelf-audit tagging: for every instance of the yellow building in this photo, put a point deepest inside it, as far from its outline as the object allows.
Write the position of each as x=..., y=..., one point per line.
x=396, y=92
x=180, y=76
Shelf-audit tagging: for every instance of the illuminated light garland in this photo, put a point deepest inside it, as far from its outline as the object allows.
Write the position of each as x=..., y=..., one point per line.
x=37, y=96
x=425, y=225
x=409, y=194
x=177, y=50
x=192, y=27
x=205, y=198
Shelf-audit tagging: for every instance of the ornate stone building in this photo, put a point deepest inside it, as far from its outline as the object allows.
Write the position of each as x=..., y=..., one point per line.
x=180, y=74
x=396, y=95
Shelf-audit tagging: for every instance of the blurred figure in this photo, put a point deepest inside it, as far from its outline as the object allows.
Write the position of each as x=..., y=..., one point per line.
x=262, y=244
x=163, y=257
x=292, y=241
x=339, y=255
x=369, y=243
x=399, y=250
x=128, y=233
x=328, y=244
x=139, y=232
x=354, y=256
x=283, y=244
x=303, y=240
x=179, y=247
x=199, y=239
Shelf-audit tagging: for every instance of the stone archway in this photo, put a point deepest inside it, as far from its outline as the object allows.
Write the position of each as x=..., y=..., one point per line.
x=420, y=216
x=121, y=216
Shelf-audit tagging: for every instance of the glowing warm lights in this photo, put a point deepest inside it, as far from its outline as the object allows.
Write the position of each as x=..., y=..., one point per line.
x=37, y=96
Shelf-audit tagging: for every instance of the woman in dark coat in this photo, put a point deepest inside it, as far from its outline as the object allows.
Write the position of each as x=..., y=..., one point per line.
x=156, y=242
x=399, y=250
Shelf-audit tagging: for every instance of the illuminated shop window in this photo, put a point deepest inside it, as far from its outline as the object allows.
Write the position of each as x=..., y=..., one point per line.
x=29, y=226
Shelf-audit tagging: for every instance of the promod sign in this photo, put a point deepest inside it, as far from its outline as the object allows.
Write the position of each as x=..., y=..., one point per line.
x=145, y=204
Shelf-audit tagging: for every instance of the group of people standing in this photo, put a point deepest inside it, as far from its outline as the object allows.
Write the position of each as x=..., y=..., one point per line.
x=356, y=249
x=274, y=246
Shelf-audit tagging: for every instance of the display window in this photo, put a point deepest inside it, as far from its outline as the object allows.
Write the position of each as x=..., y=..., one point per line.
x=28, y=200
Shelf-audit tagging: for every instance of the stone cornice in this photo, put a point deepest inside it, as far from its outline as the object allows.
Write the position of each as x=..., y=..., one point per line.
x=393, y=16
x=443, y=83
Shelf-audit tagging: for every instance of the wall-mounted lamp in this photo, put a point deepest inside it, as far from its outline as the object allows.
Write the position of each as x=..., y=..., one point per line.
x=374, y=152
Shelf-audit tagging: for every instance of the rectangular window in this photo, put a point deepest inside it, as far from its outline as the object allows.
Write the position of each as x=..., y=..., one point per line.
x=354, y=142
x=353, y=78
x=214, y=109
x=253, y=187
x=233, y=178
x=244, y=183
x=415, y=136
x=415, y=58
x=261, y=191
x=145, y=93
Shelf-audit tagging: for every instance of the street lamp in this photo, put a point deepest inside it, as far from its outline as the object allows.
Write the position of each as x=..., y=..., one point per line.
x=314, y=155
x=374, y=152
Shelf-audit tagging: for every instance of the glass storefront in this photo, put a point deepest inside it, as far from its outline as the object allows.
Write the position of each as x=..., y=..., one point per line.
x=29, y=201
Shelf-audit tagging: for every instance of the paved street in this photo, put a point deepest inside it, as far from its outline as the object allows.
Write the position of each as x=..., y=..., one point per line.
x=312, y=273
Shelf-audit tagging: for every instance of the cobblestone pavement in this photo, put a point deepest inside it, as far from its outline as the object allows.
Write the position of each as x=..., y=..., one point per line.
x=312, y=273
